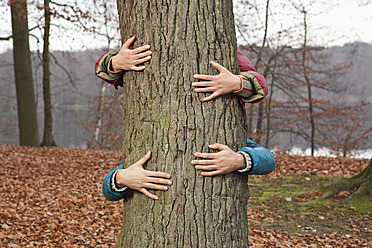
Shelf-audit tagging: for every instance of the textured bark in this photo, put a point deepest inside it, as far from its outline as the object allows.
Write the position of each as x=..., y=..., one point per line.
x=163, y=114
x=48, y=139
x=362, y=181
x=27, y=117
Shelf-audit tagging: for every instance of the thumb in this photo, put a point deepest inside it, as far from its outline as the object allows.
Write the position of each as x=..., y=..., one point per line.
x=129, y=42
x=219, y=67
x=216, y=146
x=144, y=159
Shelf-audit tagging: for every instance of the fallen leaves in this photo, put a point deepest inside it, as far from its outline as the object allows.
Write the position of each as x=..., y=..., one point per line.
x=51, y=197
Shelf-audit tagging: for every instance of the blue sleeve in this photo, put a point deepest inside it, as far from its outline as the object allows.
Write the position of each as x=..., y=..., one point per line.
x=106, y=186
x=263, y=159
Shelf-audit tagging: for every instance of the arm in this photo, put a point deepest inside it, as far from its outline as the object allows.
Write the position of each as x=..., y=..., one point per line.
x=135, y=177
x=111, y=66
x=250, y=85
x=253, y=160
x=109, y=192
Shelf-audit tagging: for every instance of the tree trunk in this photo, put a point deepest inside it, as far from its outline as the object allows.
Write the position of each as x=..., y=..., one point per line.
x=48, y=139
x=27, y=114
x=362, y=181
x=98, y=122
x=309, y=88
x=163, y=114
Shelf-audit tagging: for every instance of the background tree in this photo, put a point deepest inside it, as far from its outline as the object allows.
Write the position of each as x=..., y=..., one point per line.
x=48, y=139
x=27, y=115
x=362, y=182
x=163, y=114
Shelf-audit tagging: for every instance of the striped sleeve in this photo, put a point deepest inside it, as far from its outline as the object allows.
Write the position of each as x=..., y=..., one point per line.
x=103, y=72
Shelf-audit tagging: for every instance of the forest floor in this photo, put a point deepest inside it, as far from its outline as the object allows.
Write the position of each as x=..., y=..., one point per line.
x=51, y=197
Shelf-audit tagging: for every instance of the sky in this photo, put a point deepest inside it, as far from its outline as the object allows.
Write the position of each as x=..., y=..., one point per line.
x=331, y=22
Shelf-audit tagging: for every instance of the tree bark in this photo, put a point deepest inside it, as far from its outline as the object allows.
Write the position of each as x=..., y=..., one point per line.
x=27, y=114
x=362, y=181
x=163, y=114
x=48, y=139
x=309, y=88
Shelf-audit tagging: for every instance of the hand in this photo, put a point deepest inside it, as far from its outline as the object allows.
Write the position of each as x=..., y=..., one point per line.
x=137, y=178
x=221, y=84
x=222, y=162
x=128, y=59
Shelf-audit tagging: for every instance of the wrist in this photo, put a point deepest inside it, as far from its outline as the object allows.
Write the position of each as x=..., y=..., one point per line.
x=113, y=65
x=119, y=179
x=238, y=84
x=240, y=161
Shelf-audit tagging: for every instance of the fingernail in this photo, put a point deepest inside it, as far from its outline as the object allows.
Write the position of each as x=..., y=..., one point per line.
x=169, y=183
x=168, y=176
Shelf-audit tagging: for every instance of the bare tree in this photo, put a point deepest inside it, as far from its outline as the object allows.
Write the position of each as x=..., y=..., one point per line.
x=27, y=116
x=48, y=139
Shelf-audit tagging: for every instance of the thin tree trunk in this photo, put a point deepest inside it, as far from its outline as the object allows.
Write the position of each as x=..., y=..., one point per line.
x=27, y=114
x=308, y=84
x=99, y=117
x=163, y=114
x=259, y=122
x=258, y=64
x=48, y=139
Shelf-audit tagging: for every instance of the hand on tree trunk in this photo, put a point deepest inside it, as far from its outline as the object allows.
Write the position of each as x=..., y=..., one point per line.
x=222, y=162
x=128, y=59
x=221, y=84
x=137, y=178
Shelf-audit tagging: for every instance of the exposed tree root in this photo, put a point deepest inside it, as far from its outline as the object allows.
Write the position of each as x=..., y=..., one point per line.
x=362, y=181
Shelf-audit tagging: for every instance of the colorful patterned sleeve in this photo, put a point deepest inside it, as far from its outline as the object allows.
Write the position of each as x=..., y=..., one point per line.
x=254, y=84
x=103, y=72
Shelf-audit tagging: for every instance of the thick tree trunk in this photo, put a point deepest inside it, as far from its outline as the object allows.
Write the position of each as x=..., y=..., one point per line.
x=48, y=139
x=362, y=181
x=163, y=114
x=27, y=115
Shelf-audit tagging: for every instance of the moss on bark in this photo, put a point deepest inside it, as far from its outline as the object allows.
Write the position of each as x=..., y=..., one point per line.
x=362, y=182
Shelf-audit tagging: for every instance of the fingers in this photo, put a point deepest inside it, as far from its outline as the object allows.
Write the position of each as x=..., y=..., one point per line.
x=202, y=84
x=144, y=159
x=156, y=186
x=211, y=96
x=143, y=60
x=202, y=162
x=204, y=90
x=129, y=42
x=206, y=167
x=204, y=77
x=205, y=155
x=138, y=68
x=141, y=49
x=210, y=173
x=148, y=194
x=160, y=181
x=217, y=146
x=158, y=174
x=218, y=66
